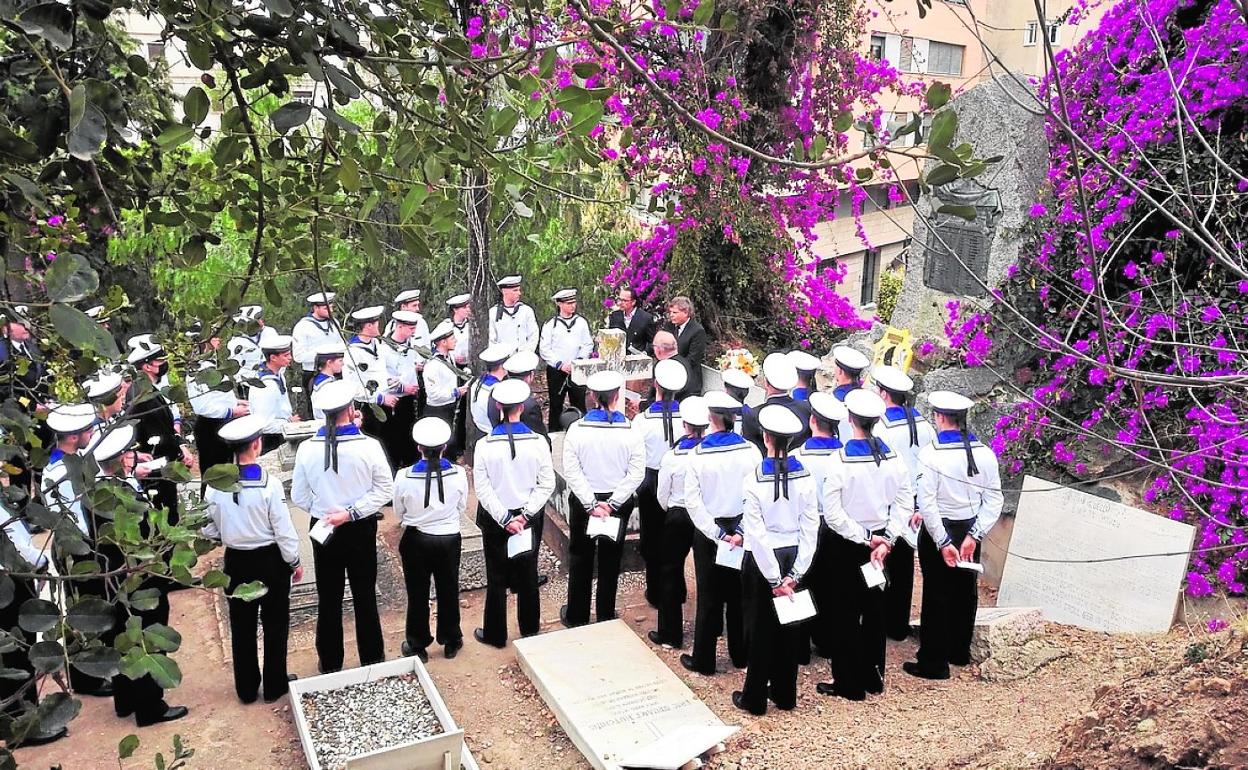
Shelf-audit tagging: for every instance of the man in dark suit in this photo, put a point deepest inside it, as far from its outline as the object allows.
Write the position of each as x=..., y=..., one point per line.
x=22, y=378
x=637, y=323
x=690, y=340
x=779, y=377
x=158, y=429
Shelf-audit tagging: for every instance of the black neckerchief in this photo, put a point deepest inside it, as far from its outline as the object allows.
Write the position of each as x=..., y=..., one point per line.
x=567, y=323
x=902, y=399
x=511, y=313
x=971, y=468
x=434, y=459
x=331, y=440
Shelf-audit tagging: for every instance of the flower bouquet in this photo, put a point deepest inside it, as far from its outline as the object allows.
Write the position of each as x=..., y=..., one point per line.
x=739, y=358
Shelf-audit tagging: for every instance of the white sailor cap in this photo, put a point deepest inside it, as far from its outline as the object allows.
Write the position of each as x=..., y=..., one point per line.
x=494, y=355
x=779, y=420
x=509, y=282
x=892, y=378
x=864, y=403
x=19, y=313
x=948, y=402
x=71, y=418
x=671, y=375
x=115, y=442
x=827, y=406
x=521, y=362
x=242, y=430
x=331, y=349
x=406, y=296
x=803, y=361
x=334, y=396
x=95, y=312
x=605, y=382
x=694, y=411
x=248, y=313
x=564, y=295
x=779, y=372
x=366, y=314
x=405, y=317
x=102, y=386
x=719, y=401
x=458, y=300
x=443, y=330
x=276, y=343
x=735, y=378
x=321, y=298
x=849, y=358
x=144, y=350
x=431, y=431
x=140, y=340
x=511, y=392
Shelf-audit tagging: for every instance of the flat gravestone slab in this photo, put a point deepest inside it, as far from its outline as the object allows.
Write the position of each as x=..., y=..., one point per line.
x=1075, y=530
x=610, y=692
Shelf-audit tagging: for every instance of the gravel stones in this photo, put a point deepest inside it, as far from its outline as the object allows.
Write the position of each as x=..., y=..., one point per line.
x=361, y=718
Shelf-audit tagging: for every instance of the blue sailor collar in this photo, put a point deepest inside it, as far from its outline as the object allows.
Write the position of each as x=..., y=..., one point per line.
x=688, y=442
x=252, y=475
x=343, y=430
x=858, y=447
x=816, y=443
x=321, y=377
x=953, y=437
x=800, y=394
x=721, y=439
x=56, y=455
x=601, y=416
x=894, y=413
x=794, y=468
x=517, y=429
x=489, y=379
x=422, y=466
x=673, y=407
x=841, y=391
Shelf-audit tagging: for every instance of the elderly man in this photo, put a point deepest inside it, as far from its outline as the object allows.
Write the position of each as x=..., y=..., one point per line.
x=690, y=340
x=664, y=348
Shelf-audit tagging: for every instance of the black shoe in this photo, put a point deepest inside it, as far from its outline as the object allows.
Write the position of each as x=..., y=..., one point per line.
x=654, y=637
x=913, y=669
x=289, y=678
x=122, y=711
x=741, y=666
x=171, y=713
x=686, y=660
x=960, y=661
x=830, y=688
x=322, y=670
x=479, y=635
x=104, y=690
x=43, y=740
x=451, y=650
x=542, y=580
x=563, y=617
x=247, y=700
x=408, y=651
x=897, y=636
x=738, y=700
x=875, y=688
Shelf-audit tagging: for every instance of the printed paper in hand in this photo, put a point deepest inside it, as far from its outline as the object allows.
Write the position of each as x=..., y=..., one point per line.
x=154, y=465
x=521, y=542
x=727, y=556
x=911, y=536
x=321, y=531
x=604, y=526
x=795, y=608
x=873, y=575
x=973, y=566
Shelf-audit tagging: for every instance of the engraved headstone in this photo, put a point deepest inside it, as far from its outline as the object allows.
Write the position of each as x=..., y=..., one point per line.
x=958, y=248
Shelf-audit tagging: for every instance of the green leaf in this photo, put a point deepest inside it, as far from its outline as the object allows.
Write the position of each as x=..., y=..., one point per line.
x=30, y=191
x=586, y=69
x=57, y=710
x=81, y=331
x=965, y=212
x=91, y=615
x=163, y=669
x=101, y=662
x=47, y=657
x=412, y=201
x=280, y=7
x=7, y=589
x=342, y=81
x=546, y=65
x=38, y=615
x=162, y=637
x=88, y=125
x=175, y=135
x=70, y=278
x=145, y=599
x=522, y=209
x=290, y=115
x=944, y=126
x=54, y=22
x=195, y=105
x=703, y=13
x=223, y=476
x=338, y=120
x=15, y=674
x=17, y=147
x=434, y=170
x=584, y=118
x=250, y=591
x=176, y=471
x=938, y=95
x=818, y=146
x=349, y=174
x=127, y=746
x=215, y=579
x=942, y=174
x=728, y=21
x=863, y=174
x=843, y=122
x=369, y=240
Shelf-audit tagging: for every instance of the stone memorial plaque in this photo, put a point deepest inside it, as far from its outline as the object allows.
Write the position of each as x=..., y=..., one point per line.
x=1136, y=595
x=610, y=692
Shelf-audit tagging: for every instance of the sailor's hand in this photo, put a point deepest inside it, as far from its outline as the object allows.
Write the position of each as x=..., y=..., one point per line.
x=950, y=555
x=968, y=548
x=241, y=409
x=516, y=525
x=336, y=517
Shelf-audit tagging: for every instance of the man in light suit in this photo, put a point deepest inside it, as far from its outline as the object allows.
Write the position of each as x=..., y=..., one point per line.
x=638, y=325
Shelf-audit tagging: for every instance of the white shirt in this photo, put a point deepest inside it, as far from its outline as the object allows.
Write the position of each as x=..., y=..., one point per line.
x=514, y=327
x=206, y=402
x=715, y=481
x=401, y=359
x=365, y=364
x=946, y=492
x=441, y=381
x=59, y=495
x=563, y=340
x=650, y=425
x=259, y=518
x=816, y=456
x=19, y=536
x=771, y=523
x=440, y=517
x=860, y=497
x=603, y=457
x=892, y=427
x=362, y=482
x=504, y=484
x=479, y=402
x=270, y=401
x=308, y=335
x=671, y=486
x=420, y=335
x=462, y=352
x=247, y=350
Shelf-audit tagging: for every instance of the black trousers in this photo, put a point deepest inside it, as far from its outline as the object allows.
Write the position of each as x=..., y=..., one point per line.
x=719, y=608
x=305, y=403
x=397, y=433
x=583, y=549
x=17, y=658
x=431, y=557
x=678, y=537
x=267, y=566
x=561, y=388
x=855, y=616
x=897, y=595
x=350, y=554
x=653, y=521
x=772, y=671
x=501, y=573
x=208, y=444
x=142, y=696
x=950, y=598
x=80, y=681
x=447, y=413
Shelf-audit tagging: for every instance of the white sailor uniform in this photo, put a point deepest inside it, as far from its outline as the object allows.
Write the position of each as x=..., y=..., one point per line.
x=562, y=341
x=514, y=327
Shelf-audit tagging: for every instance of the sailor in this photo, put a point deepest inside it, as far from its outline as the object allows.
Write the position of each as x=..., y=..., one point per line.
x=261, y=546
x=342, y=479
x=817, y=454
x=311, y=333
x=143, y=697
x=779, y=377
x=806, y=366
x=493, y=371
x=714, y=491
x=158, y=429
x=514, y=477
x=781, y=523
x=867, y=502
x=445, y=385
x=408, y=302
x=677, y=528
x=459, y=312
x=512, y=323
x=847, y=372
x=960, y=500
x=213, y=407
x=366, y=365
x=737, y=384
x=270, y=400
x=564, y=339
x=330, y=361
x=404, y=362
x=430, y=498
x=522, y=365
x=604, y=461
x=245, y=347
x=659, y=425
x=906, y=431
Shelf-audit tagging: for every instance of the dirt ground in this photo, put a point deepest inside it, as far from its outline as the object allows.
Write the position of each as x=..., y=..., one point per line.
x=964, y=722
